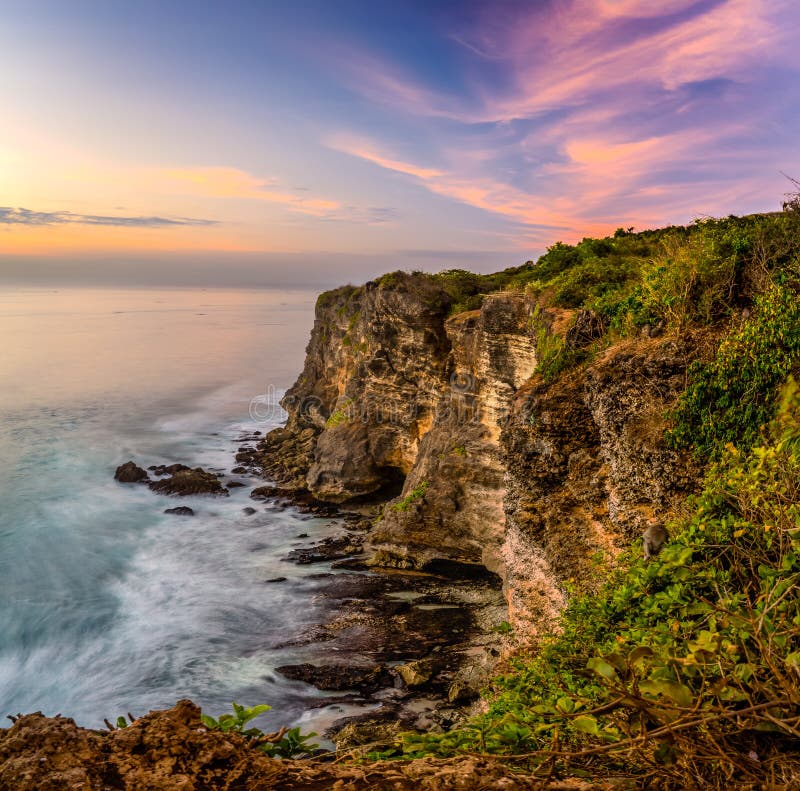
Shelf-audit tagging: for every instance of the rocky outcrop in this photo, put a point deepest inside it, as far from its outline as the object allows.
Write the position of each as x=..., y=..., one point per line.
x=130, y=472
x=459, y=469
x=185, y=482
x=180, y=481
x=476, y=461
x=173, y=751
x=367, y=393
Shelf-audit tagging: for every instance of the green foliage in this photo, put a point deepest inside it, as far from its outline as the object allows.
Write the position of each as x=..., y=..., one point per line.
x=342, y=414
x=285, y=743
x=120, y=722
x=733, y=396
x=415, y=494
x=292, y=744
x=685, y=663
x=235, y=723
x=554, y=356
x=504, y=627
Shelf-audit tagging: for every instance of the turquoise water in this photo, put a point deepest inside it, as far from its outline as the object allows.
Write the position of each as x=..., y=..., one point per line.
x=108, y=605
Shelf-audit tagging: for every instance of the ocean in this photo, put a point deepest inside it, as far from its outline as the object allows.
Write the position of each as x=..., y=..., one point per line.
x=107, y=604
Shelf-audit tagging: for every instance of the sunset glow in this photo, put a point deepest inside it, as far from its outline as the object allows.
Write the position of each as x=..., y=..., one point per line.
x=413, y=133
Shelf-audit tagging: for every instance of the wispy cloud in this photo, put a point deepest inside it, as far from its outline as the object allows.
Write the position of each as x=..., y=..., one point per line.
x=21, y=216
x=562, y=54
x=480, y=192
x=580, y=114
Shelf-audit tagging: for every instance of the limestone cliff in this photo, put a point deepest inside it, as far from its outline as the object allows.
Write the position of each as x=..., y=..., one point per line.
x=474, y=460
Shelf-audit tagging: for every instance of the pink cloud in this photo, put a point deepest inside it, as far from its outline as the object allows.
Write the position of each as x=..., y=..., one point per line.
x=566, y=54
x=616, y=94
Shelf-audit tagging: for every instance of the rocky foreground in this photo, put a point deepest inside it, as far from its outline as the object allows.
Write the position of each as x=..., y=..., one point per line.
x=172, y=751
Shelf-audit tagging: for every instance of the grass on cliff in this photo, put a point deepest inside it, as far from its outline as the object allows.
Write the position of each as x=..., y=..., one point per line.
x=697, y=274
x=685, y=670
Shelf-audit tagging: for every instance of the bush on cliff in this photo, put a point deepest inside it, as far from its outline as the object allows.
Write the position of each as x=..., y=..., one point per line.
x=730, y=398
x=685, y=669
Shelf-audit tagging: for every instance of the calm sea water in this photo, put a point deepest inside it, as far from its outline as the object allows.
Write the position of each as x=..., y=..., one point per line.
x=108, y=605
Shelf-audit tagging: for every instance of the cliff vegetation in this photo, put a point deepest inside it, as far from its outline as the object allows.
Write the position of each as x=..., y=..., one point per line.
x=562, y=407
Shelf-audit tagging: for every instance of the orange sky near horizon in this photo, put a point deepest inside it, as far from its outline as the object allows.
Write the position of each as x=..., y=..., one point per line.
x=279, y=130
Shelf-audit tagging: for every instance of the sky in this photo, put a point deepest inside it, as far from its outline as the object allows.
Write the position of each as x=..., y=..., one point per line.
x=313, y=143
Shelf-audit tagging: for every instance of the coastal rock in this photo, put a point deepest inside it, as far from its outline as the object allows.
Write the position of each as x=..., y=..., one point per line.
x=416, y=674
x=587, y=466
x=475, y=462
x=187, y=481
x=450, y=510
x=130, y=473
x=339, y=678
x=333, y=548
x=168, y=469
x=181, y=510
x=368, y=391
x=173, y=751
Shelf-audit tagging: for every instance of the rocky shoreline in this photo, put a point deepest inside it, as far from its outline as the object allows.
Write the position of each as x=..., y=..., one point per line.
x=471, y=491
x=415, y=648
x=412, y=649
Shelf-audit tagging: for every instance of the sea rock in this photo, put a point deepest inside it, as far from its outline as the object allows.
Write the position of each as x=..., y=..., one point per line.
x=263, y=492
x=189, y=481
x=333, y=548
x=416, y=674
x=181, y=510
x=248, y=511
x=168, y=469
x=339, y=677
x=130, y=473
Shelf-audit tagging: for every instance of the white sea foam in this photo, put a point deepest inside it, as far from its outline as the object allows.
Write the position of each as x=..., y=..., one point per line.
x=109, y=604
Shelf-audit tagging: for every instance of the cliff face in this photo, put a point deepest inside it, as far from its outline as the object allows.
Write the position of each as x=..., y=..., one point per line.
x=459, y=467
x=475, y=461
x=367, y=393
x=586, y=467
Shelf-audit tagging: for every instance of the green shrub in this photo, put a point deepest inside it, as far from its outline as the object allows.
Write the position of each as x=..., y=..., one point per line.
x=342, y=414
x=284, y=743
x=731, y=398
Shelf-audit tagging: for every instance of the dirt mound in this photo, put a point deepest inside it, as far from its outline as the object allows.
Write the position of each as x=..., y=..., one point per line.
x=172, y=751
